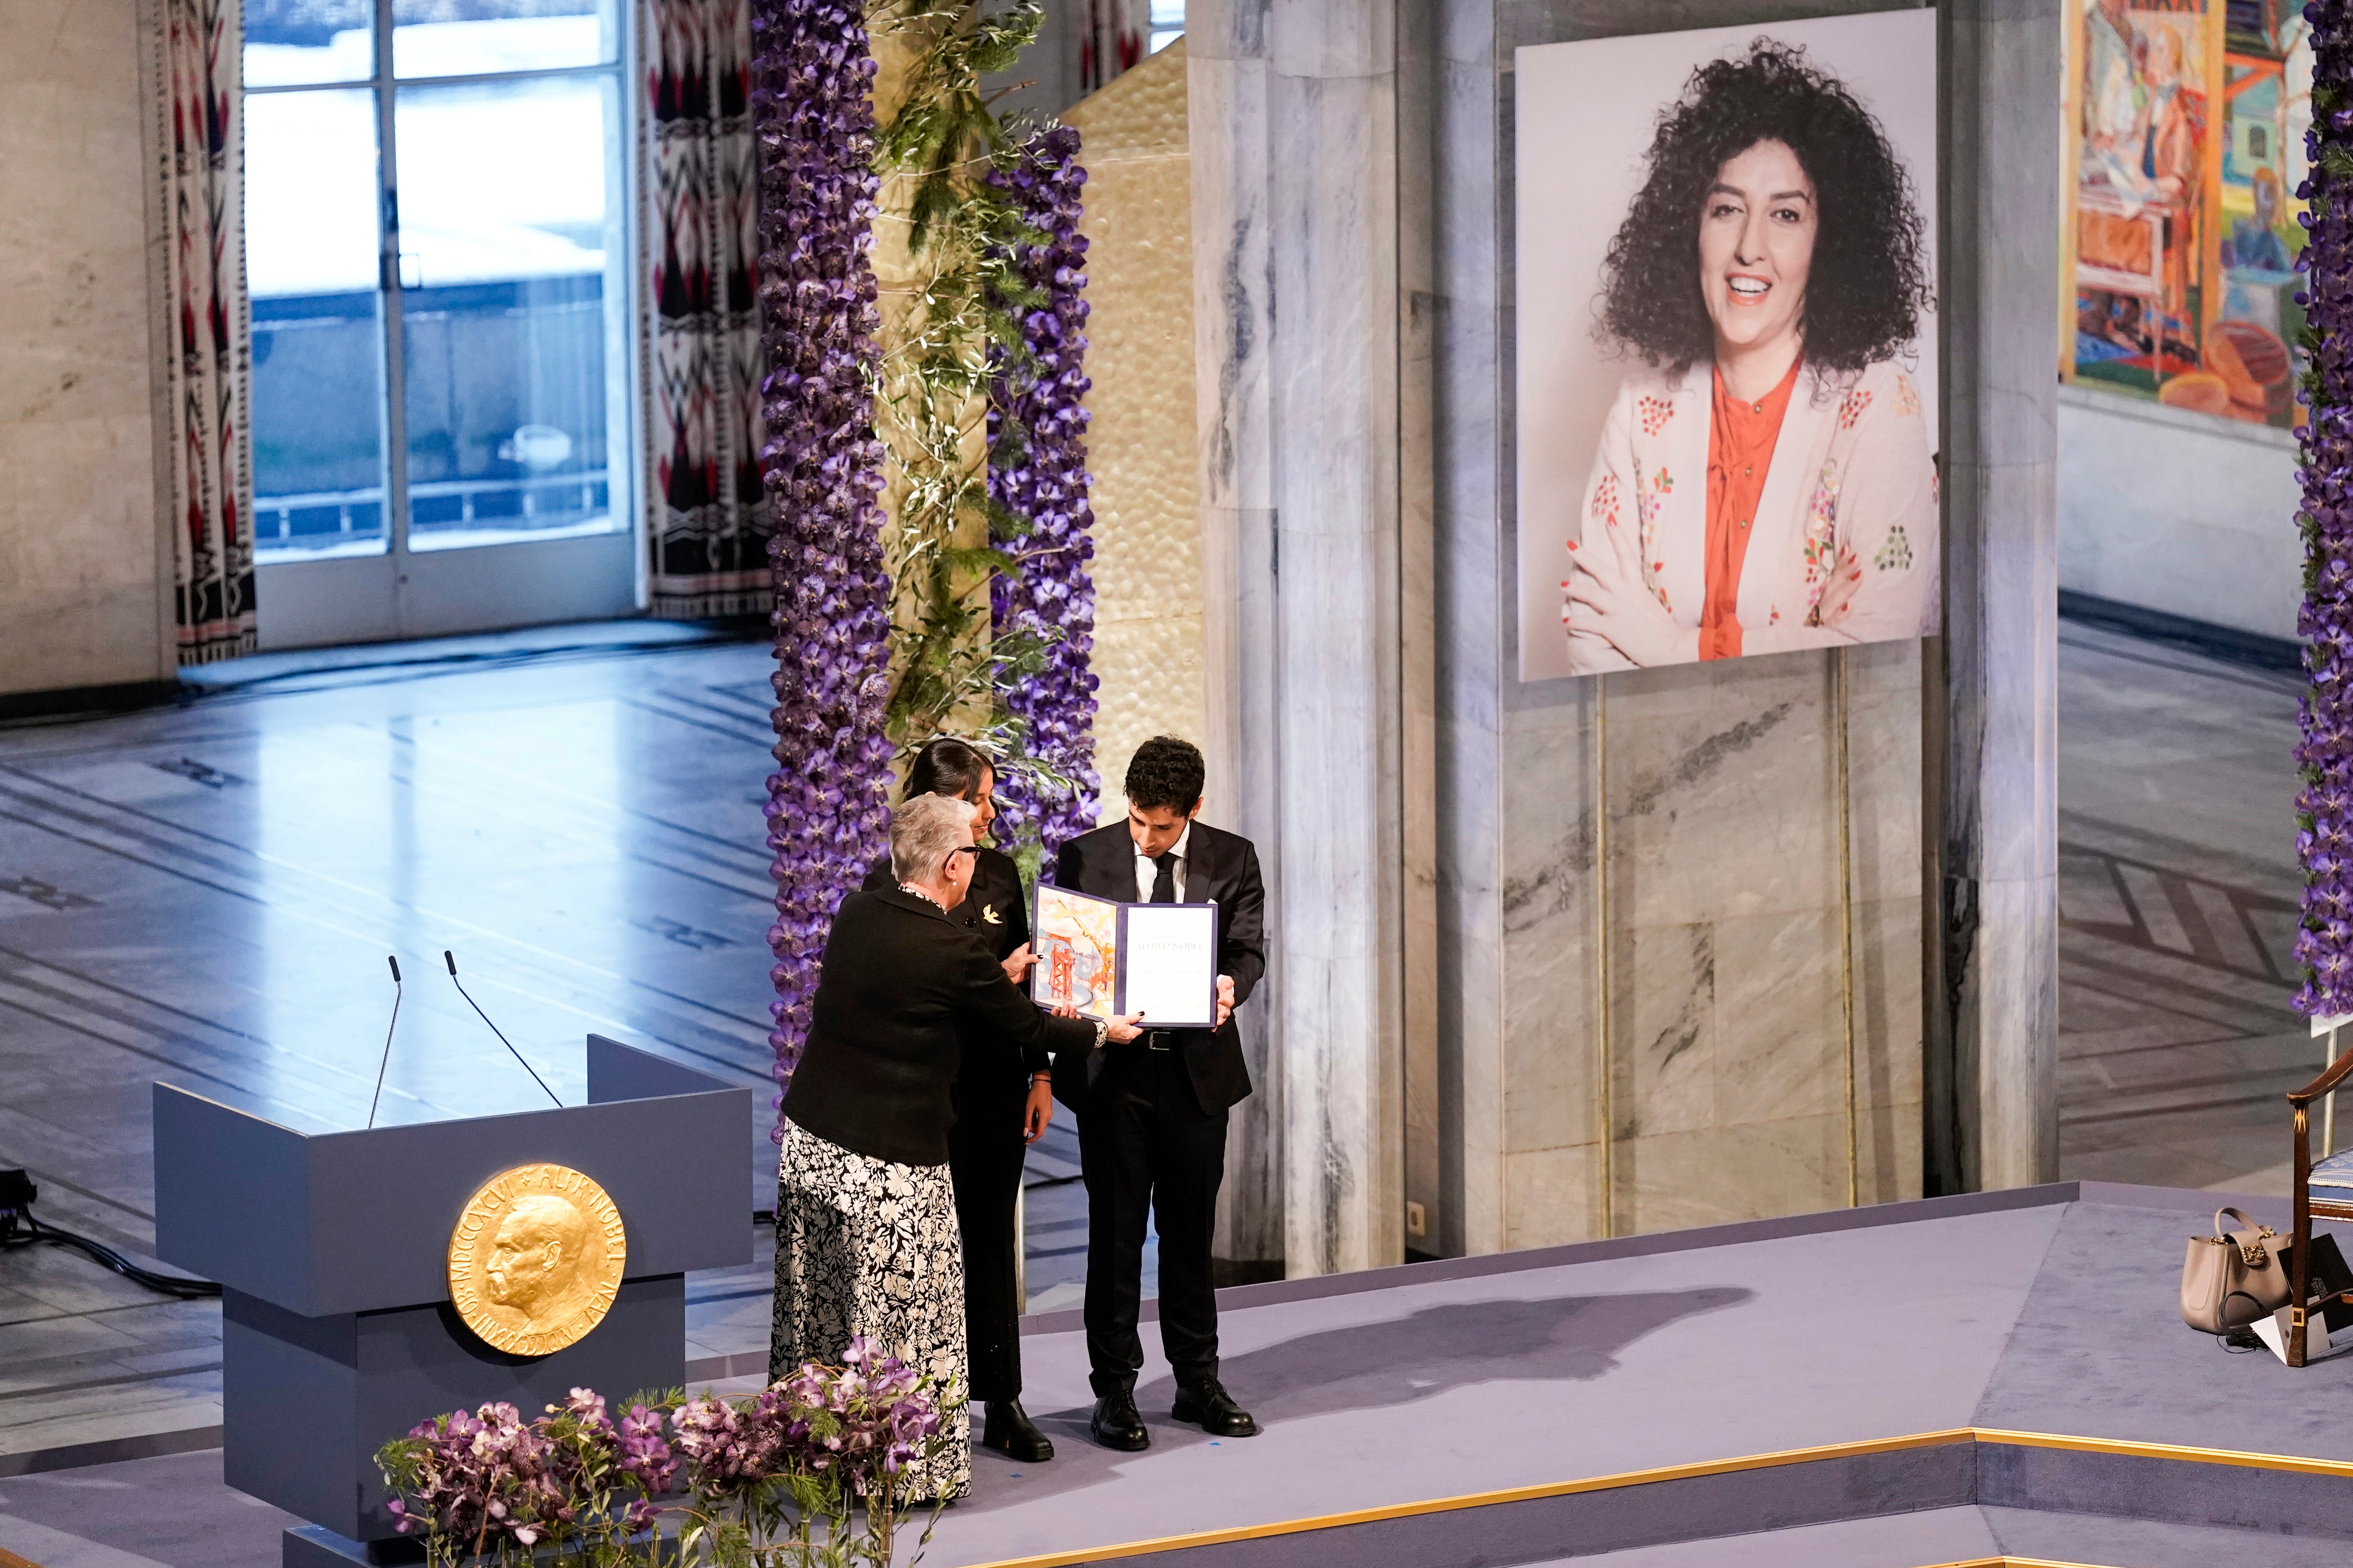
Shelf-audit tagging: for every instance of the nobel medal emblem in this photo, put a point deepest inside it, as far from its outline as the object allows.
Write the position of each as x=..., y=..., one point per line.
x=535, y=1260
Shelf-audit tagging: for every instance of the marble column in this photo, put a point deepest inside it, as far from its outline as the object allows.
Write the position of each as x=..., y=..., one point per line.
x=1293, y=138
x=1992, y=718
x=1449, y=54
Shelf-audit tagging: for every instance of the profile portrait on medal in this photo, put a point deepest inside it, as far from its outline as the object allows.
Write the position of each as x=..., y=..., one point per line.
x=536, y=1257
x=534, y=1263
x=1744, y=463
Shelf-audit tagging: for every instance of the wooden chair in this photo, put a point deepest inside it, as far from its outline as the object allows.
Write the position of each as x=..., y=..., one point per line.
x=2333, y=1178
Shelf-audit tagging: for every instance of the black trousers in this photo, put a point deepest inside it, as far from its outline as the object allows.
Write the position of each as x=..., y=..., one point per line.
x=984, y=1159
x=1145, y=1144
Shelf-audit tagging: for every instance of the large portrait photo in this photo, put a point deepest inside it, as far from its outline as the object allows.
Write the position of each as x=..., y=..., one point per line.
x=1726, y=375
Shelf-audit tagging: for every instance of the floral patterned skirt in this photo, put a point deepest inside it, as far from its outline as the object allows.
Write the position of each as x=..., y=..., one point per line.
x=866, y=1246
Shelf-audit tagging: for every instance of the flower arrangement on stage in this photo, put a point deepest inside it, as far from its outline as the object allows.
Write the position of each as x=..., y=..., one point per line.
x=491, y=1485
x=827, y=803
x=2324, y=754
x=805, y=1471
x=1038, y=480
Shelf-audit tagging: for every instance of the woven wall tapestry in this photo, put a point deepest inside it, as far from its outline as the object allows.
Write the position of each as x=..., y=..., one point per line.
x=707, y=517
x=199, y=98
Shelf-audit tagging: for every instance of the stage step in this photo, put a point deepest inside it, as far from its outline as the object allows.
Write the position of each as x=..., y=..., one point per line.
x=1979, y=1538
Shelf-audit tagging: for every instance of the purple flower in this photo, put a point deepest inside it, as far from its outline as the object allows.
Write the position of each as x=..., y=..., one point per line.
x=822, y=464
x=1037, y=428
x=2325, y=946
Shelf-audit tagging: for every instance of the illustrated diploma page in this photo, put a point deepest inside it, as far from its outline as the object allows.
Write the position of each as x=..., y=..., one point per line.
x=1076, y=938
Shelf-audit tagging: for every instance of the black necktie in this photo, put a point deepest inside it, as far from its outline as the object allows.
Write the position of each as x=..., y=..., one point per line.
x=1164, y=878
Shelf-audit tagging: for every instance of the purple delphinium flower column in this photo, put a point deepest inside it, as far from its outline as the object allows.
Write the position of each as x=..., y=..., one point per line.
x=812, y=81
x=1043, y=483
x=2325, y=809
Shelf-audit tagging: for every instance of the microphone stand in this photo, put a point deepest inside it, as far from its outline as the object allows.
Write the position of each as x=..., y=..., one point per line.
x=387, y=1039
x=451, y=961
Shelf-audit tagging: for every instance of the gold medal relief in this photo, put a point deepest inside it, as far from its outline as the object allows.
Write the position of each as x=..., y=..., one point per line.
x=535, y=1260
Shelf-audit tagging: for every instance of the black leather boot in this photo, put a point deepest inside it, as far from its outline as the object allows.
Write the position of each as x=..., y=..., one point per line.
x=1117, y=1425
x=1009, y=1430
x=1208, y=1407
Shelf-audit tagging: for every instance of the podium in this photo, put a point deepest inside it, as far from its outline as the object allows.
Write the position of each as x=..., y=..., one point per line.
x=338, y=1331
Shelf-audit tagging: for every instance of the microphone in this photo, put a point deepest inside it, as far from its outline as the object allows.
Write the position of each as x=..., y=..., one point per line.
x=449, y=959
x=387, y=1038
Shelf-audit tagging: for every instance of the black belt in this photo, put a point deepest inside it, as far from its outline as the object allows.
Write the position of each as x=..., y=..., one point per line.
x=1159, y=1039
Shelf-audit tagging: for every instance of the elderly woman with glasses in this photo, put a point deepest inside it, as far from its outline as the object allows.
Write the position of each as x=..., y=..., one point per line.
x=1003, y=1098
x=866, y=1221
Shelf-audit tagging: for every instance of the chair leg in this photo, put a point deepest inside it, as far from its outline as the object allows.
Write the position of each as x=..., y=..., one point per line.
x=2300, y=1265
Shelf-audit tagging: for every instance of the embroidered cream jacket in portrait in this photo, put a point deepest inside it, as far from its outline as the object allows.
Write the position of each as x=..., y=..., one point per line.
x=1851, y=475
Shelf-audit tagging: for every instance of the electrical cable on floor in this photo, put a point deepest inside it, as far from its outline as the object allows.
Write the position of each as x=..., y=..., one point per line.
x=19, y=1228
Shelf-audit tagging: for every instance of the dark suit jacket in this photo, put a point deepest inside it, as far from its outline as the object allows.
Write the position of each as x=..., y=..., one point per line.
x=995, y=911
x=900, y=982
x=1219, y=865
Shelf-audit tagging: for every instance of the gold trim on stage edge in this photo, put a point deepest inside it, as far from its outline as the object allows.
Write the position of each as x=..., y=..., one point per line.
x=1988, y=1434
x=535, y=1258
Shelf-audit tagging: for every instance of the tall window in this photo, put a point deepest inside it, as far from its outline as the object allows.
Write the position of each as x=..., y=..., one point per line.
x=1167, y=23
x=438, y=260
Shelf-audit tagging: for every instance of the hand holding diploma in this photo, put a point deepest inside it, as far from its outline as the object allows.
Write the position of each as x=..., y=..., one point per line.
x=1120, y=1030
x=1019, y=963
x=1225, y=999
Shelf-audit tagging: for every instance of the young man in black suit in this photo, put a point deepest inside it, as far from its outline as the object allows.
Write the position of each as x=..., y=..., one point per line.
x=1152, y=1114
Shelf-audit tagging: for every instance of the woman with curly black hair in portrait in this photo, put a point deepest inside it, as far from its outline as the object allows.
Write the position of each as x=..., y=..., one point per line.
x=1763, y=480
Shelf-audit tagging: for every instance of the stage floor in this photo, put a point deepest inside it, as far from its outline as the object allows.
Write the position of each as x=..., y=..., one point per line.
x=1920, y=1384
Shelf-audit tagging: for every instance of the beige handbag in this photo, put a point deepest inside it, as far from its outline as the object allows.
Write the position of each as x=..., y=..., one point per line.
x=2230, y=1279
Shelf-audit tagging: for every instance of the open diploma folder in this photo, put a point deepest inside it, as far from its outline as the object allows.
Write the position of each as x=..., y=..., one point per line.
x=1109, y=960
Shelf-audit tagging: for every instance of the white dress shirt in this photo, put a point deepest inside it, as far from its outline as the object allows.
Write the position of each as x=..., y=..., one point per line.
x=1147, y=872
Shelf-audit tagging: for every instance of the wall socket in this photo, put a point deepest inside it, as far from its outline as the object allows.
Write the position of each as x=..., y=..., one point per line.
x=1416, y=1222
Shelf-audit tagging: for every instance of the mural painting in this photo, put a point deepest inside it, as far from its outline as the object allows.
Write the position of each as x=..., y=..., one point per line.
x=2187, y=148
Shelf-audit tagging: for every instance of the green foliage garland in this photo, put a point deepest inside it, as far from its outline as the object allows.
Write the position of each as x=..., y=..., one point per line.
x=952, y=326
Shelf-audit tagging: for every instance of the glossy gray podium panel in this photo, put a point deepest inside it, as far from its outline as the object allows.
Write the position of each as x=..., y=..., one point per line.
x=360, y=1221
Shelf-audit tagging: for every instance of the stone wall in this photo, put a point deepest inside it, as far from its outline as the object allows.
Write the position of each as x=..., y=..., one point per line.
x=82, y=600
x=2179, y=511
x=1140, y=440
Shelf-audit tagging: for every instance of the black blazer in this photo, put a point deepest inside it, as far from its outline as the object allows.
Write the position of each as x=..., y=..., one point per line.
x=1219, y=865
x=900, y=982
x=995, y=911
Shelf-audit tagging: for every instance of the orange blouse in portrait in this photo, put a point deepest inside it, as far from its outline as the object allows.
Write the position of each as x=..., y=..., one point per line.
x=1740, y=438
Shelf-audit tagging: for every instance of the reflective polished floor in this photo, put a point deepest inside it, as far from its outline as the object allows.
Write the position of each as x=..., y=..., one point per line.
x=2178, y=889
x=206, y=895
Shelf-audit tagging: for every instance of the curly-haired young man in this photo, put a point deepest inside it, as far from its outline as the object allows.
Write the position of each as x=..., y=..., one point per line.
x=1763, y=480
x=1152, y=1124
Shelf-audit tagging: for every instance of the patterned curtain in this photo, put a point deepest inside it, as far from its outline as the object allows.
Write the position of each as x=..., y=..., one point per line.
x=707, y=517
x=199, y=98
